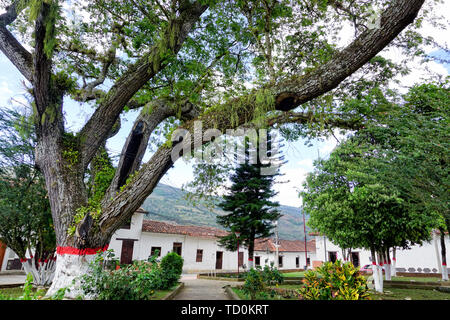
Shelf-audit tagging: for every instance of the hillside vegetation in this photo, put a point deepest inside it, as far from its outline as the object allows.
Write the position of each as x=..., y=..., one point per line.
x=169, y=204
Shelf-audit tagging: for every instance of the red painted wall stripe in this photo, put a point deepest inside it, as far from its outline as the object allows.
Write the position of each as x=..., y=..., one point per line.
x=79, y=252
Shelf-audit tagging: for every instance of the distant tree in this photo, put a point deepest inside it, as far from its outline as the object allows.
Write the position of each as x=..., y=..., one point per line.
x=25, y=216
x=252, y=213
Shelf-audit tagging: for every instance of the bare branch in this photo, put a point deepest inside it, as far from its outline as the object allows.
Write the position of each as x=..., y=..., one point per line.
x=12, y=49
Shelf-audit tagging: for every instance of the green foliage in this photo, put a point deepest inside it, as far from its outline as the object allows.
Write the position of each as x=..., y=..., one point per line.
x=25, y=216
x=259, y=282
x=172, y=267
x=334, y=281
x=250, y=210
x=384, y=186
x=136, y=281
x=271, y=275
x=254, y=283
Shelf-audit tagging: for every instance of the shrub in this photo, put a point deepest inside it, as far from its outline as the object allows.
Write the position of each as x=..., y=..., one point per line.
x=172, y=267
x=254, y=283
x=334, y=281
x=137, y=281
x=271, y=275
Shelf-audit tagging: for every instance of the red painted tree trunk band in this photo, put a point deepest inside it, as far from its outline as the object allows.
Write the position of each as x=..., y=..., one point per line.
x=79, y=252
x=444, y=264
x=250, y=259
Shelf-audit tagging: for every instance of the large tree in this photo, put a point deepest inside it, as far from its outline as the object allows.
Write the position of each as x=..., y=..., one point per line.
x=179, y=61
x=25, y=218
x=385, y=186
x=349, y=201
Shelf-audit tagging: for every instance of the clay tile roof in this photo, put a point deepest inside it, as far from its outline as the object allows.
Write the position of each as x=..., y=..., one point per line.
x=285, y=245
x=210, y=232
x=193, y=231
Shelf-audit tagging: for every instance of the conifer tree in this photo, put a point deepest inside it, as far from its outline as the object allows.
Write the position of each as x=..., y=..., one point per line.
x=251, y=210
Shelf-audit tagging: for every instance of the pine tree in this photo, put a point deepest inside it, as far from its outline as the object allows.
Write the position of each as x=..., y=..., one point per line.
x=251, y=212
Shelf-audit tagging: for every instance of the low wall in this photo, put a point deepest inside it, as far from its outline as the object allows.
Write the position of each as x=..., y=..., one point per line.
x=418, y=274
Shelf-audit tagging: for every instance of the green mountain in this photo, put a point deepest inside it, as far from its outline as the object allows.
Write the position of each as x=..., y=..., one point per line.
x=169, y=204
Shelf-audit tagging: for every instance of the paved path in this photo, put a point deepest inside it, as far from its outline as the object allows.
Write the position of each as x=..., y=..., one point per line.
x=202, y=289
x=12, y=279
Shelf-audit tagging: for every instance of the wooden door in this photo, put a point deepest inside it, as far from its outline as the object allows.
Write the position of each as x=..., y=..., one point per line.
x=219, y=256
x=241, y=259
x=127, y=252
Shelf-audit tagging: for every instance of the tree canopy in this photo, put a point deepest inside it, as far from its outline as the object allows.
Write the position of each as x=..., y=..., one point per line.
x=25, y=217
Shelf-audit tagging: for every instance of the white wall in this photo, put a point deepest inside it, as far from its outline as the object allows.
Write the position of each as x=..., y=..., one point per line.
x=147, y=240
x=425, y=256
x=289, y=259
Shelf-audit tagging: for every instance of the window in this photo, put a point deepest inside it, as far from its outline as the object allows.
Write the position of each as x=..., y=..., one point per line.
x=153, y=251
x=199, y=257
x=332, y=256
x=257, y=261
x=177, y=248
x=280, y=261
x=308, y=261
x=297, y=262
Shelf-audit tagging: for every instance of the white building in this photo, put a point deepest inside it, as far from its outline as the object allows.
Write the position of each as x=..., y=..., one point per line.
x=425, y=258
x=197, y=245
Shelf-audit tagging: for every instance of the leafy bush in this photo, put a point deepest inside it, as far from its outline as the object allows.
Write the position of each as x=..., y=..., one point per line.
x=271, y=275
x=137, y=281
x=254, y=283
x=334, y=281
x=258, y=282
x=172, y=266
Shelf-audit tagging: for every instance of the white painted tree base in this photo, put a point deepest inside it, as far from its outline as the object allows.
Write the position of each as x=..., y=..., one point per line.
x=377, y=273
x=42, y=274
x=444, y=273
x=69, y=267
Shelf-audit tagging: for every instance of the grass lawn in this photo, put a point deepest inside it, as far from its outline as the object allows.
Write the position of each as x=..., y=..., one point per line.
x=293, y=274
x=419, y=279
x=410, y=294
